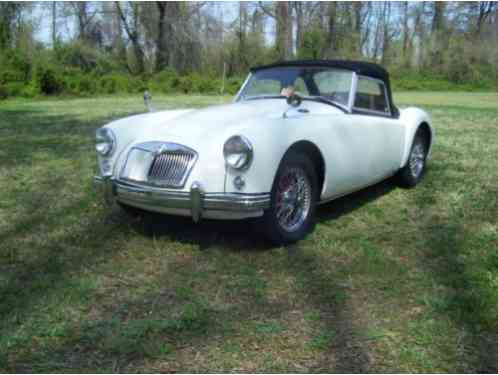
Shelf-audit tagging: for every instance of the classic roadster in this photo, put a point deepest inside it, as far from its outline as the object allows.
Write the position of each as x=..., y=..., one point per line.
x=297, y=134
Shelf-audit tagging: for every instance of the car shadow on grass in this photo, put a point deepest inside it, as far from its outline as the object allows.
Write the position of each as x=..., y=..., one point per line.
x=245, y=235
x=351, y=202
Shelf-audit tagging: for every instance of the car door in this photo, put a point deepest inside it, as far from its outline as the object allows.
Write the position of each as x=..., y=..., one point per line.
x=380, y=136
x=363, y=146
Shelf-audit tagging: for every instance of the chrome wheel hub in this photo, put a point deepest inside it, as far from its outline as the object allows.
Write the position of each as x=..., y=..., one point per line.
x=293, y=200
x=417, y=159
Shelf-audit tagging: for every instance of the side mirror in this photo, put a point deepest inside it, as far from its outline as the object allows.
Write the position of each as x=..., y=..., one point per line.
x=294, y=100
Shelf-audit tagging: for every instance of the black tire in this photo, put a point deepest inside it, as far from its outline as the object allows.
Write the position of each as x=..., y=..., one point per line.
x=408, y=176
x=271, y=225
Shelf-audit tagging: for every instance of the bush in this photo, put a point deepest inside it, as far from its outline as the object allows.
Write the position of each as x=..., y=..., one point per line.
x=77, y=55
x=3, y=92
x=233, y=85
x=166, y=82
x=48, y=80
x=14, y=88
x=115, y=83
x=30, y=90
x=11, y=75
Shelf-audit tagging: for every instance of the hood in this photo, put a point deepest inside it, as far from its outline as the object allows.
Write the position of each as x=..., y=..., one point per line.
x=212, y=125
x=194, y=127
x=218, y=118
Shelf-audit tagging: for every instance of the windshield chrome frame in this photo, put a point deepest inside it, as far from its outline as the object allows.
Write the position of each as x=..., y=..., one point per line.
x=237, y=96
x=352, y=92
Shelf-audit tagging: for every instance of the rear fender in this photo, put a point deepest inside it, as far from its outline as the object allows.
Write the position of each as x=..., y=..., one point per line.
x=413, y=119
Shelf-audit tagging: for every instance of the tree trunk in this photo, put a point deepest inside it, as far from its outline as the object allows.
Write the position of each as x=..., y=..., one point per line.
x=405, y=30
x=386, y=42
x=298, y=7
x=54, y=24
x=161, y=48
x=331, y=34
x=81, y=13
x=357, y=7
x=131, y=29
x=438, y=36
x=284, y=30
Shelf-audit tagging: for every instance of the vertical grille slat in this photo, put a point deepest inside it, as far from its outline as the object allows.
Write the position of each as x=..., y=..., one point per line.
x=170, y=168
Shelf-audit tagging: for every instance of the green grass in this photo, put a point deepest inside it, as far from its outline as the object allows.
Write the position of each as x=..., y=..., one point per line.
x=391, y=280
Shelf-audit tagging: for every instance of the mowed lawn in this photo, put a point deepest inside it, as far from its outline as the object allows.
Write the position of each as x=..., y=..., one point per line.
x=390, y=280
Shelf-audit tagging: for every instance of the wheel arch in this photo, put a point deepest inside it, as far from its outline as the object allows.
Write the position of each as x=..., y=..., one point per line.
x=416, y=120
x=311, y=150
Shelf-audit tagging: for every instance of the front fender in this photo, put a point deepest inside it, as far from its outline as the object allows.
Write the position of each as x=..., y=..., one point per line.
x=268, y=151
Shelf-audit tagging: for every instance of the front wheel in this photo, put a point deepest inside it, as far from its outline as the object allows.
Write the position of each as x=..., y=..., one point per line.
x=293, y=200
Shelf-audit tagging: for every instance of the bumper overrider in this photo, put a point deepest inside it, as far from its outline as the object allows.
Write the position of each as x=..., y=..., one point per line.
x=195, y=203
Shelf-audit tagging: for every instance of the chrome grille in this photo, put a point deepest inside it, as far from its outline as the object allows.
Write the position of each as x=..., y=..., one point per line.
x=161, y=164
x=171, y=168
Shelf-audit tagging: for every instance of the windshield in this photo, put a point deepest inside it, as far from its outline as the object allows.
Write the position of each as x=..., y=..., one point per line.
x=308, y=82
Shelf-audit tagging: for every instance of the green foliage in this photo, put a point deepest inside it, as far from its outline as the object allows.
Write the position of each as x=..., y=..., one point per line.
x=77, y=55
x=233, y=85
x=195, y=83
x=167, y=81
x=48, y=80
x=313, y=44
x=118, y=83
x=409, y=81
x=77, y=69
x=3, y=92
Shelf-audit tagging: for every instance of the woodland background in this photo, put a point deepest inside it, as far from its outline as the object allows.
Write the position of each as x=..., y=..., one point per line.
x=87, y=48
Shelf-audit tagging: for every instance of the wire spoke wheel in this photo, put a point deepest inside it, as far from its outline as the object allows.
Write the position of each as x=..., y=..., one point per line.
x=293, y=199
x=417, y=159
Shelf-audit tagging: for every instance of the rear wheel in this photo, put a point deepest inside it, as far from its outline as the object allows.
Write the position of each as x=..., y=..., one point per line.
x=411, y=174
x=293, y=200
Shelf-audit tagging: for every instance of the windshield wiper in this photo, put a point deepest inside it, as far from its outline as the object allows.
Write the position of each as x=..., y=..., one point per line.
x=321, y=99
x=264, y=97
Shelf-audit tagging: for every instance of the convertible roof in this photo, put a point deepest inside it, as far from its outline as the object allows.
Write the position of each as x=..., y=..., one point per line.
x=360, y=67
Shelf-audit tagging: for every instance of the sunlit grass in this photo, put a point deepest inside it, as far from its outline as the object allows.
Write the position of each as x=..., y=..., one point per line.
x=391, y=279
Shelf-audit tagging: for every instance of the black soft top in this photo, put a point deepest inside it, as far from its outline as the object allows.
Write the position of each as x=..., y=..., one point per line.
x=360, y=67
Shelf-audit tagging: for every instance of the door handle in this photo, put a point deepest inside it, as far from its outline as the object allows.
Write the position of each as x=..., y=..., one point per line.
x=303, y=110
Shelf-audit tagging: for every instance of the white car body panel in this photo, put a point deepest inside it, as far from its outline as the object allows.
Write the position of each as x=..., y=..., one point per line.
x=358, y=149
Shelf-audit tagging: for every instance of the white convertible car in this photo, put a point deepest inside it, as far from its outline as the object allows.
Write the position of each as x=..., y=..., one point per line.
x=297, y=134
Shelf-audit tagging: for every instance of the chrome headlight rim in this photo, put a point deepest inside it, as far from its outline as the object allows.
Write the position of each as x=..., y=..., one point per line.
x=106, y=138
x=245, y=149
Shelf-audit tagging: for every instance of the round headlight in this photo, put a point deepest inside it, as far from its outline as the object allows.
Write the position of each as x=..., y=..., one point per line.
x=105, y=141
x=238, y=152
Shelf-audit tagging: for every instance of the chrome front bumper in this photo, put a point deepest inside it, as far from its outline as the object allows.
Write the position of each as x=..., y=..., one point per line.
x=195, y=203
